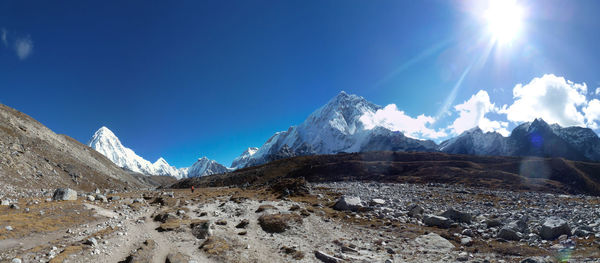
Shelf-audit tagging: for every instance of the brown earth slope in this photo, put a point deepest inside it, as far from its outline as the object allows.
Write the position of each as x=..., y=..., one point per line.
x=34, y=157
x=514, y=173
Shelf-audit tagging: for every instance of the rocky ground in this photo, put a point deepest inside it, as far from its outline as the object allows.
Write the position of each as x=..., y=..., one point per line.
x=334, y=222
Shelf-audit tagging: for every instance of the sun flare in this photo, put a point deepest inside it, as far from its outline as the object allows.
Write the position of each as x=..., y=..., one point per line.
x=504, y=20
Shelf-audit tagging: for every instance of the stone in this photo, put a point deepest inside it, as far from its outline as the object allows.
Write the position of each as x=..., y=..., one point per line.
x=348, y=203
x=377, y=201
x=415, y=211
x=507, y=233
x=433, y=242
x=90, y=198
x=101, y=198
x=493, y=223
x=177, y=258
x=221, y=222
x=580, y=232
x=327, y=258
x=466, y=241
x=437, y=221
x=91, y=242
x=4, y=202
x=536, y=260
x=554, y=227
x=114, y=198
x=457, y=216
x=263, y=208
x=14, y=206
x=243, y=223
x=201, y=229
x=278, y=223
x=9, y=228
x=463, y=256
x=64, y=194
x=16, y=260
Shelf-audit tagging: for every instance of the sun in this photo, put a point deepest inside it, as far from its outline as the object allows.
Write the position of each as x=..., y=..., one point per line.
x=504, y=19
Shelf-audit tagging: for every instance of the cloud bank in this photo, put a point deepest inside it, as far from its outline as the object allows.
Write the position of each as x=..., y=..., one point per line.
x=550, y=97
x=471, y=113
x=396, y=120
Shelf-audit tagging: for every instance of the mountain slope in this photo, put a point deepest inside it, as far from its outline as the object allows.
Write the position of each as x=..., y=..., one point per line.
x=205, y=166
x=335, y=127
x=106, y=142
x=32, y=156
x=555, y=175
x=536, y=138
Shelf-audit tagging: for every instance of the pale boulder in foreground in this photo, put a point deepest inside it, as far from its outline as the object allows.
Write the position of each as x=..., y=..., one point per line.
x=64, y=194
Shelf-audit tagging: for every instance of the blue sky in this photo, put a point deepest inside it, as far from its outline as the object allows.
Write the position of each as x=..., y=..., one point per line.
x=186, y=79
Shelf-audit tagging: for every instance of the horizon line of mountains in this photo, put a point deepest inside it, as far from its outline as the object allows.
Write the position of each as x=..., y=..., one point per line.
x=337, y=127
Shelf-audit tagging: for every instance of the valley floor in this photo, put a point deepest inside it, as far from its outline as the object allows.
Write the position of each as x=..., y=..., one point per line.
x=255, y=225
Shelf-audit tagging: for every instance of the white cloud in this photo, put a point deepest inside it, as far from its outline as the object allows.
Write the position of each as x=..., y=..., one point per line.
x=24, y=47
x=592, y=113
x=472, y=113
x=549, y=97
x=392, y=118
x=4, y=37
x=598, y=91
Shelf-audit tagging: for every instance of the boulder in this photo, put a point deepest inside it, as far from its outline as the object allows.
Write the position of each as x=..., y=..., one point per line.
x=90, y=198
x=64, y=194
x=377, y=201
x=4, y=202
x=177, y=257
x=201, y=229
x=493, y=222
x=433, y=242
x=507, y=233
x=348, y=203
x=243, y=223
x=537, y=260
x=415, y=211
x=554, y=227
x=457, y=216
x=437, y=221
x=101, y=198
x=278, y=223
x=327, y=258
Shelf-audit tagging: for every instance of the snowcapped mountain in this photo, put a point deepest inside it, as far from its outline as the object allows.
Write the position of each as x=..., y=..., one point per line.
x=536, y=138
x=205, y=166
x=476, y=142
x=107, y=143
x=335, y=127
x=242, y=159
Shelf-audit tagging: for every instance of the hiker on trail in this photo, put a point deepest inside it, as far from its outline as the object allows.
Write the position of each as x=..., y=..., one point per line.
x=192, y=189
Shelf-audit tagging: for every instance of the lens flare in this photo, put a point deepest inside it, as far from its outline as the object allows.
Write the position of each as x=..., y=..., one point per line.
x=504, y=20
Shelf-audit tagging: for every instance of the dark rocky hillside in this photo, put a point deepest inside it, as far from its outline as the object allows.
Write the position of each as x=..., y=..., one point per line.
x=515, y=173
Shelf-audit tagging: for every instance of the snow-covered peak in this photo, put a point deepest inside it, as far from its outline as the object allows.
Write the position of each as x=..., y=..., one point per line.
x=335, y=127
x=205, y=166
x=107, y=143
x=244, y=157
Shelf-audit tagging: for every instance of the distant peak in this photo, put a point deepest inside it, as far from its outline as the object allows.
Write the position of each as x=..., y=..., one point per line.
x=161, y=160
x=104, y=131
